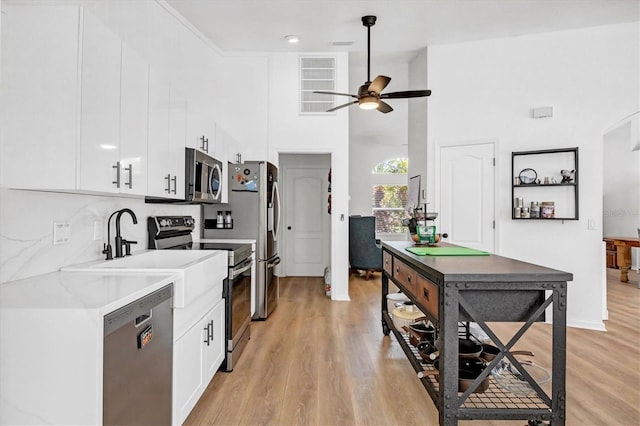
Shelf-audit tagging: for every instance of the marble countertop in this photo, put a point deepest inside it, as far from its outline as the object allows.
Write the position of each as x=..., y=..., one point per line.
x=94, y=291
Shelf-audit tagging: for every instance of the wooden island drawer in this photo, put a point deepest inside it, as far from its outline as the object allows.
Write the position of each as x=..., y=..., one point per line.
x=427, y=294
x=405, y=275
x=387, y=262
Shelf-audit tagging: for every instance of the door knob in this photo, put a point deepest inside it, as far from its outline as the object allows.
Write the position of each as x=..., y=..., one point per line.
x=289, y=228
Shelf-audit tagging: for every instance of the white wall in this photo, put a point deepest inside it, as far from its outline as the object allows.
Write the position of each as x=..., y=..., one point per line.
x=486, y=90
x=290, y=132
x=418, y=77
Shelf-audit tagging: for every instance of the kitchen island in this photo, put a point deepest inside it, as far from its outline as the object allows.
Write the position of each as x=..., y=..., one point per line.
x=452, y=292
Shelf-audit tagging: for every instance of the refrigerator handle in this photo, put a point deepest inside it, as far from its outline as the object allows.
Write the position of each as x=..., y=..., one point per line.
x=276, y=206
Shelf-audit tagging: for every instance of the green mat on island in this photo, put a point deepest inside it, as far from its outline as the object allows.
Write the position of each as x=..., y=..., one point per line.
x=446, y=251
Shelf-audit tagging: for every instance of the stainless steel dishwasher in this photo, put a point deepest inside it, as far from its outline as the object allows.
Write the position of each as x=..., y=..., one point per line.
x=138, y=357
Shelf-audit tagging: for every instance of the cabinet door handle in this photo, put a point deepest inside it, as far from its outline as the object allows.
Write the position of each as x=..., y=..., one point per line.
x=409, y=278
x=168, y=188
x=117, y=181
x=205, y=144
x=209, y=329
x=425, y=293
x=175, y=184
x=130, y=170
x=207, y=340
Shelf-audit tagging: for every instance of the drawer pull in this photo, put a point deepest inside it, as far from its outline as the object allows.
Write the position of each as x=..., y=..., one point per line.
x=409, y=278
x=397, y=269
x=425, y=293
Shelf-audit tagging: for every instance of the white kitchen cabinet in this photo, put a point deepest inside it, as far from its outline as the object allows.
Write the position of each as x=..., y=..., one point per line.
x=158, y=176
x=40, y=84
x=201, y=128
x=177, y=139
x=197, y=356
x=114, y=113
x=65, y=74
x=134, y=106
x=100, y=107
x=167, y=132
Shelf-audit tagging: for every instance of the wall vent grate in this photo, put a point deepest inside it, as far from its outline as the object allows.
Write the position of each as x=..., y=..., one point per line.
x=317, y=73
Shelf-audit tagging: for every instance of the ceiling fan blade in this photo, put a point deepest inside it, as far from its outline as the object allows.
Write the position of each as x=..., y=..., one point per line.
x=342, y=106
x=379, y=83
x=407, y=94
x=384, y=107
x=334, y=93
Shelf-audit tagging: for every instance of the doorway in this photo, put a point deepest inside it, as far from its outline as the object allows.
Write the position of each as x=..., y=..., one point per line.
x=306, y=221
x=621, y=190
x=466, y=199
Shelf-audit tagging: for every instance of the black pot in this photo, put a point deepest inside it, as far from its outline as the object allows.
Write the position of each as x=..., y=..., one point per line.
x=468, y=371
x=466, y=348
x=424, y=331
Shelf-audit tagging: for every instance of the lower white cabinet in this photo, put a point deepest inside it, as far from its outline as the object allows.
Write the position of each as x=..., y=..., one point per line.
x=197, y=355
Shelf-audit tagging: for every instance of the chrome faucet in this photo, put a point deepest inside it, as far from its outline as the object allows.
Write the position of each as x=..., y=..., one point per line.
x=119, y=241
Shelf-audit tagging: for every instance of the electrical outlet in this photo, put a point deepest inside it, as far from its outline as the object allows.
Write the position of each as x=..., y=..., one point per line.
x=61, y=233
x=591, y=224
x=97, y=230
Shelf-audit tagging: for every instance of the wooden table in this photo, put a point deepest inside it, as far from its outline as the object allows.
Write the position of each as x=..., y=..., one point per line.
x=623, y=253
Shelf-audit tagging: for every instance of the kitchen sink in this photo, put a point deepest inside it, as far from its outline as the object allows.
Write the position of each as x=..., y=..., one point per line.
x=155, y=259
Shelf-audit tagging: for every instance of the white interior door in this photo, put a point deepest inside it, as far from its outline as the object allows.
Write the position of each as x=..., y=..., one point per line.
x=307, y=226
x=467, y=195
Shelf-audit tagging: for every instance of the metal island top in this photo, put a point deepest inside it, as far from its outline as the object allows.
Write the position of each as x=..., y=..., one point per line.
x=454, y=291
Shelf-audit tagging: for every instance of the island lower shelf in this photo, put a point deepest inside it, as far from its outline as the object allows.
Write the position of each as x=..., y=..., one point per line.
x=478, y=405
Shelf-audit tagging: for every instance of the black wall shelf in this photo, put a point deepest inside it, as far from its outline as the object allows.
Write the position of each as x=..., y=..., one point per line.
x=547, y=163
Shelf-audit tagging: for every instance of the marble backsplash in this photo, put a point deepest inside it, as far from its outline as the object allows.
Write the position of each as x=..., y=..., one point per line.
x=26, y=228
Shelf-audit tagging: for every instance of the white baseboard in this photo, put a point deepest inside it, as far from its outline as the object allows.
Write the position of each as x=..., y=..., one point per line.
x=589, y=325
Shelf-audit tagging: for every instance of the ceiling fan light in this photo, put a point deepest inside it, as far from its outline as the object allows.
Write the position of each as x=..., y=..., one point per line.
x=368, y=102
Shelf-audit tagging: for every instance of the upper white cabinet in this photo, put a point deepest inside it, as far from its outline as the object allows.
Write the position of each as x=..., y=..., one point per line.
x=201, y=126
x=40, y=86
x=134, y=108
x=76, y=101
x=114, y=113
x=177, y=139
x=167, y=132
x=100, y=107
x=159, y=178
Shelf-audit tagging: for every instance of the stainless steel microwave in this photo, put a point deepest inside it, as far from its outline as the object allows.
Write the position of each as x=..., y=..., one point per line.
x=203, y=180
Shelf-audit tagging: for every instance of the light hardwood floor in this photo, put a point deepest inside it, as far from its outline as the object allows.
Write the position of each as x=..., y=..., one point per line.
x=317, y=362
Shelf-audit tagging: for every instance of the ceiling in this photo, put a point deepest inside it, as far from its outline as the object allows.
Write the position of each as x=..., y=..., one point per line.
x=403, y=27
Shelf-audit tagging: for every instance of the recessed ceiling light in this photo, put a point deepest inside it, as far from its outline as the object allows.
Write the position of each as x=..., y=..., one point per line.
x=292, y=38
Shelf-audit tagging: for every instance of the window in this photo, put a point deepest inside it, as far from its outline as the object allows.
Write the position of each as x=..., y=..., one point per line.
x=389, y=198
x=316, y=74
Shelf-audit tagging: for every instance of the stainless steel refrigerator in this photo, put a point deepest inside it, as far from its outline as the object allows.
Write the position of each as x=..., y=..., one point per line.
x=254, y=202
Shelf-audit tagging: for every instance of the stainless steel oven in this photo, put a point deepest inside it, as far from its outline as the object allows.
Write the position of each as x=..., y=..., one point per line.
x=174, y=232
x=237, y=294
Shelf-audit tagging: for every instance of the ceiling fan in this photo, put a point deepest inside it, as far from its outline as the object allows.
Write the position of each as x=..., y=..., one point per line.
x=369, y=96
